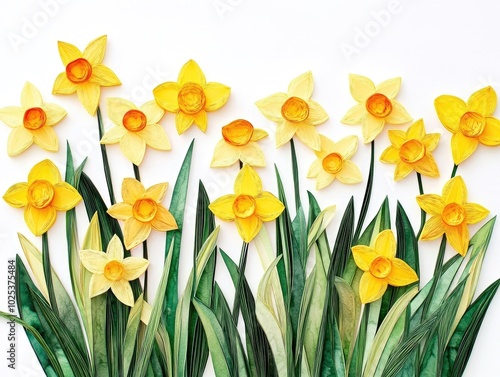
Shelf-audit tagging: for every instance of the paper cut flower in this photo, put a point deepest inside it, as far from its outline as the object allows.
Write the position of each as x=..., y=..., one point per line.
x=450, y=214
x=411, y=150
x=142, y=211
x=333, y=162
x=376, y=105
x=110, y=270
x=470, y=123
x=295, y=113
x=42, y=196
x=32, y=122
x=135, y=128
x=239, y=143
x=84, y=73
x=249, y=206
x=191, y=97
x=381, y=267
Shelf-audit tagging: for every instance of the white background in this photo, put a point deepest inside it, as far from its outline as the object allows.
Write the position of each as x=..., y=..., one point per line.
x=256, y=47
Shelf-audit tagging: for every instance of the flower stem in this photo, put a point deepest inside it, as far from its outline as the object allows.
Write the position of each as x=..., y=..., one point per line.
x=107, y=170
x=47, y=271
x=137, y=175
x=366, y=199
x=422, y=212
x=454, y=172
x=241, y=279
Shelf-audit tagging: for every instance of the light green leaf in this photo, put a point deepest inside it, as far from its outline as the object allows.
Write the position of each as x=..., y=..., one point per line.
x=129, y=342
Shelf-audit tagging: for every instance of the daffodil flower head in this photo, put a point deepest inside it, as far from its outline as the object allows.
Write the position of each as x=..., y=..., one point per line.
x=84, y=73
x=376, y=105
x=191, y=97
x=42, y=196
x=380, y=267
x=32, y=122
x=333, y=162
x=412, y=150
x=110, y=270
x=135, y=127
x=238, y=143
x=471, y=123
x=249, y=206
x=295, y=113
x=450, y=214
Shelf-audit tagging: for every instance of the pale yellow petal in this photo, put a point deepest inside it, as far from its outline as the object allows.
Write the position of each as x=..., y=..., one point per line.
x=154, y=135
x=66, y=197
x=350, y=173
x=317, y=114
x=39, y=220
x=258, y=134
x=166, y=96
x=12, y=116
x=46, y=138
x=95, y=50
x=163, y=220
x=397, y=138
x=224, y=155
x=270, y=106
x=385, y=244
x=309, y=136
x=88, y=94
x=252, y=155
x=153, y=112
x=401, y=274
x=449, y=110
x=133, y=147
x=458, y=238
x=427, y=166
x=484, y=101
x=68, y=52
x=223, y=207
x=247, y=182
x=402, y=170
x=361, y=87
x=123, y=292
x=19, y=140
x=156, y=192
x=268, y=206
x=45, y=170
x=389, y=88
x=113, y=135
x=201, y=120
x=135, y=232
x=433, y=228
x=183, y=122
x=104, y=76
x=117, y=108
x=346, y=147
x=54, y=113
x=324, y=179
x=98, y=285
x=284, y=132
x=416, y=130
x=462, y=147
x=249, y=227
x=94, y=260
x=372, y=127
x=491, y=133
x=474, y=213
x=302, y=86
x=120, y=211
x=431, y=141
x=62, y=85
x=370, y=288
x=216, y=95
x=327, y=147
x=390, y=155
x=30, y=96
x=363, y=256
x=455, y=191
x=398, y=115
x=315, y=168
x=431, y=203
x=114, y=250
x=191, y=72
x=355, y=115
x=134, y=267
x=132, y=190
x=17, y=195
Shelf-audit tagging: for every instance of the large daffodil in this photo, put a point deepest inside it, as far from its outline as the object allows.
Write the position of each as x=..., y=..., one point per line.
x=84, y=73
x=381, y=268
x=411, y=150
x=239, y=144
x=142, y=211
x=135, y=128
x=471, y=123
x=42, y=196
x=249, y=206
x=110, y=270
x=450, y=214
x=295, y=113
x=191, y=97
x=31, y=122
x=333, y=162
x=376, y=105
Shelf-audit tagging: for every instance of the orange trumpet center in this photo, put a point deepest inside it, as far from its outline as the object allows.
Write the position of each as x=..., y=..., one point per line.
x=113, y=270
x=191, y=98
x=412, y=151
x=40, y=193
x=472, y=124
x=134, y=120
x=79, y=71
x=453, y=214
x=378, y=105
x=295, y=109
x=34, y=118
x=238, y=132
x=333, y=163
x=244, y=206
x=381, y=267
x=144, y=210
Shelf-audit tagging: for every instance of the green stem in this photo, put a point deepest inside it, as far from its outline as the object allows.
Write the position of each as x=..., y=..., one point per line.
x=47, y=271
x=107, y=170
x=137, y=175
x=454, y=172
x=422, y=212
x=239, y=287
x=366, y=199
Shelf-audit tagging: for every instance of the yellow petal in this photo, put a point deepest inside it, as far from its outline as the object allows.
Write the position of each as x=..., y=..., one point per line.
x=157, y=192
x=123, y=292
x=45, y=170
x=134, y=267
x=88, y=94
x=474, y=213
x=166, y=96
x=401, y=274
x=455, y=191
x=484, y=101
x=390, y=155
x=223, y=207
x=191, y=72
x=39, y=220
x=433, y=228
x=30, y=96
x=491, y=133
x=317, y=114
x=346, y=147
x=416, y=130
x=361, y=87
x=247, y=182
x=270, y=106
x=120, y=211
x=371, y=288
x=350, y=173
x=66, y=197
x=398, y=115
x=402, y=170
x=62, y=85
x=252, y=155
x=135, y=232
x=113, y=135
x=389, y=88
x=397, y=138
x=117, y=108
x=363, y=256
x=284, y=132
x=462, y=147
x=431, y=141
x=302, y=86
x=153, y=112
x=355, y=115
x=19, y=140
x=17, y=195
x=216, y=95
x=372, y=127
x=12, y=116
x=327, y=147
x=46, y=138
x=431, y=203
x=93, y=260
x=385, y=244
x=249, y=227
x=114, y=250
x=324, y=179
x=224, y=155
x=163, y=220
x=258, y=134
x=427, y=166
x=95, y=50
x=133, y=147
x=200, y=119
x=458, y=238
x=132, y=190
x=98, y=285
x=154, y=135
x=268, y=207
x=315, y=168
x=449, y=110
x=183, y=122
x=68, y=52
x=103, y=76
x=54, y=113
x=309, y=136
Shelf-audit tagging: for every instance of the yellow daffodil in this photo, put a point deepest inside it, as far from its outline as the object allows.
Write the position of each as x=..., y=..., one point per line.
x=239, y=144
x=32, y=122
x=471, y=123
x=381, y=267
x=191, y=97
x=450, y=214
x=376, y=105
x=142, y=211
x=295, y=113
x=43, y=195
x=411, y=150
x=249, y=206
x=333, y=162
x=135, y=127
x=84, y=73
x=110, y=270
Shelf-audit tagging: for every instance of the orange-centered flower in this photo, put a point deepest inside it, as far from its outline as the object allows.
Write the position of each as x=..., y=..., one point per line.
x=295, y=113
x=32, y=122
x=450, y=214
x=43, y=195
x=381, y=267
x=239, y=144
x=135, y=127
x=84, y=73
x=249, y=206
x=471, y=123
x=333, y=161
x=411, y=150
x=191, y=97
x=142, y=211
x=376, y=105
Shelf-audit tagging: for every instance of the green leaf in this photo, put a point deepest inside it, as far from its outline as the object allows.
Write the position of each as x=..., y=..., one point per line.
x=133, y=322
x=367, y=197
